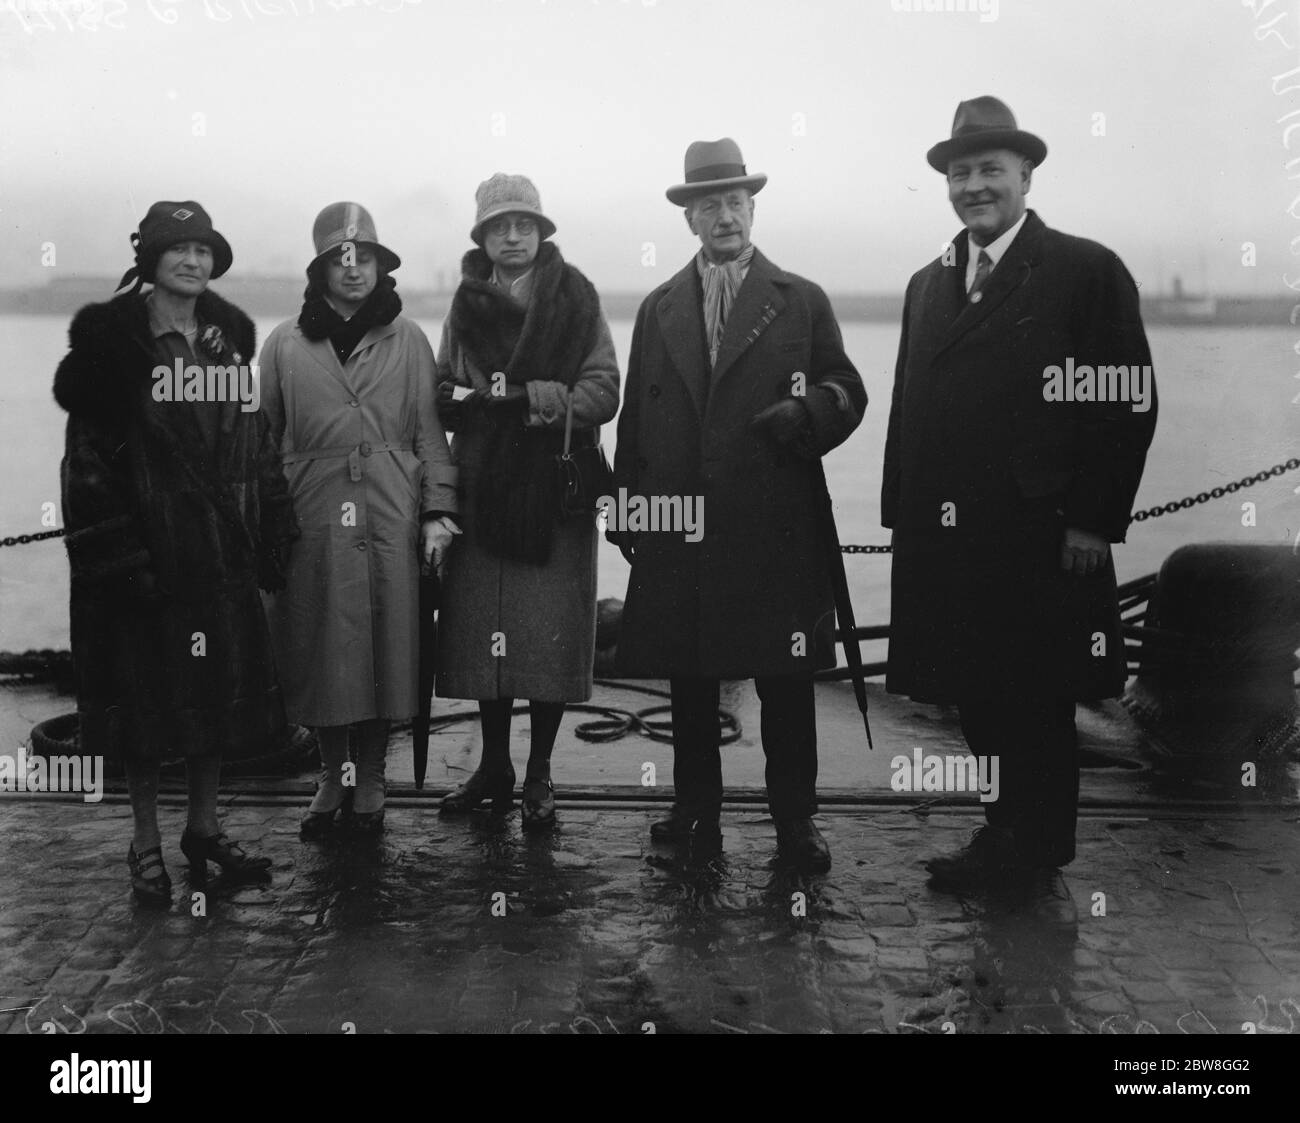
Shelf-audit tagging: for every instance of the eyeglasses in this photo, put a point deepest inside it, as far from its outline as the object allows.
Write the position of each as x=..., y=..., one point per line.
x=500, y=227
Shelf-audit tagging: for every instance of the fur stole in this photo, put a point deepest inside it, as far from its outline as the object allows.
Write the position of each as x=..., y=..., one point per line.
x=516, y=488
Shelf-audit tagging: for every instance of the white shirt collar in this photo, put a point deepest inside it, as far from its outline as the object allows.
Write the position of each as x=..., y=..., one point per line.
x=994, y=249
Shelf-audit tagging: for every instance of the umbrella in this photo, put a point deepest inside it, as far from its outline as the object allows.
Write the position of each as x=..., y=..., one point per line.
x=430, y=595
x=843, y=606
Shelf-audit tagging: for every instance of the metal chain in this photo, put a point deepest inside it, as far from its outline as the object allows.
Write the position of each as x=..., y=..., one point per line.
x=23, y=539
x=1218, y=492
x=1141, y=516
x=1155, y=512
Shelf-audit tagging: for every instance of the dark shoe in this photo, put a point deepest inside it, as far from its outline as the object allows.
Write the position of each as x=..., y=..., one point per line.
x=480, y=788
x=156, y=890
x=228, y=855
x=537, y=805
x=367, y=823
x=316, y=825
x=799, y=841
x=1046, y=898
x=680, y=823
x=989, y=858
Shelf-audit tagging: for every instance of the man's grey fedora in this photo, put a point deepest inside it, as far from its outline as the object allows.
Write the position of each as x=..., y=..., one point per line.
x=714, y=165
x=980, y=124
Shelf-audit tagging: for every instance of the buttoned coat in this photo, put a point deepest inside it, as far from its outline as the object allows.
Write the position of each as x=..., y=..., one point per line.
x=983, y=473
x=753, y=596
x=365, y=456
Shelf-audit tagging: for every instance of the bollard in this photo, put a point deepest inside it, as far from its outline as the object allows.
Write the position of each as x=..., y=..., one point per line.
x=1218, y=656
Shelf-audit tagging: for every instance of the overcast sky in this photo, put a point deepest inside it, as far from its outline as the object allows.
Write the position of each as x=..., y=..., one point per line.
x=405, y=105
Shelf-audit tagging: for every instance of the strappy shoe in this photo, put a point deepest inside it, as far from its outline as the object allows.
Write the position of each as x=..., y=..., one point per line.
x=479, y=789
x=149, y=890
x=537, y=807
x=228, y=855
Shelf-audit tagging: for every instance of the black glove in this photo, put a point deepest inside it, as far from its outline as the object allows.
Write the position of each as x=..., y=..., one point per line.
x=625, y=540
x=271, y=565
x=515, y=398
x=785, y=422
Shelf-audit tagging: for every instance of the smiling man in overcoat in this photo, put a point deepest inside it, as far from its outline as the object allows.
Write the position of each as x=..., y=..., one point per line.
x=1005, y=490
x=737, y=385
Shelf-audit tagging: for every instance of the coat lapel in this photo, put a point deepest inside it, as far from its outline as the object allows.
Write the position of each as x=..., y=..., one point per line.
x=1009, y=274
x=758, y=303
x=324, y=356
x=681, y=320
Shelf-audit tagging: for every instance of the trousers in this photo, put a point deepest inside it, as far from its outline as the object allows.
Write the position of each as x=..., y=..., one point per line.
x=788, y=726
x=1037, y=746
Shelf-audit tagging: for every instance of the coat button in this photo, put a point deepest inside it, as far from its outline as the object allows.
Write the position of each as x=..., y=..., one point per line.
x=654, y=391
x=353, y=402
x=365, y=448
x=361, y=545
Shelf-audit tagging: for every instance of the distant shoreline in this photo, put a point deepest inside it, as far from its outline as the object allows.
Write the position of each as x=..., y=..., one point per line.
x=281, y=297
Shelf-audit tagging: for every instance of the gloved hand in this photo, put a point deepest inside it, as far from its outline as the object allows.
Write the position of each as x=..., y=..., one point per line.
x=515, y=397
x=625, y=540
x=271, y=565
x=785, y=422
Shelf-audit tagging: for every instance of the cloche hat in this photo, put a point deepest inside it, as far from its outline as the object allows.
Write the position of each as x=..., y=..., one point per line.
x=165, y=225
x=508, y=194
x=348, y=222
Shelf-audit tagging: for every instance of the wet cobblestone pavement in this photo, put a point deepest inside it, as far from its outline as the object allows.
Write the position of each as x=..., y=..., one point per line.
x=605, y=932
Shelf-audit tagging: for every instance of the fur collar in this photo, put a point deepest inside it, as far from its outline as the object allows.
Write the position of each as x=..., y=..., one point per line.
x=319, y=320
x=112, y=350
x=548, y=340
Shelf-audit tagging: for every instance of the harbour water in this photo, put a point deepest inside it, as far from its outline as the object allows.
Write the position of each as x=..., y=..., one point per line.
x=1225, y=412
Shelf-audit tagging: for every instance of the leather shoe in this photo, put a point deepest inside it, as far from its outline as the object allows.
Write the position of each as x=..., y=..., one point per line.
x=681, y=823
x=989, y=858
x=799, y=841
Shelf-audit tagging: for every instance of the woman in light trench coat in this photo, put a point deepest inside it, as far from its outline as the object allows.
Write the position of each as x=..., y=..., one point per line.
x=348, y=389
x=525, y=338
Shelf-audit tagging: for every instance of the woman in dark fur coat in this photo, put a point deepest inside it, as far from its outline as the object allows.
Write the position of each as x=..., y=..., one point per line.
x=176, y=511
x=526, y=337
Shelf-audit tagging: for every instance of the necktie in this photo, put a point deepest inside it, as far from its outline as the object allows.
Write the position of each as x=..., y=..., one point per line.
x=982, y=270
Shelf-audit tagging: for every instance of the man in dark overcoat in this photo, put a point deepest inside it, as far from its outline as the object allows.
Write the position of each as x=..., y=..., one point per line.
x=737, y=385
x=1014, y=452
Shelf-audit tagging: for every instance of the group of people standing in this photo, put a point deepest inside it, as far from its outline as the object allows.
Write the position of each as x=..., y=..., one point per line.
x=235, y=569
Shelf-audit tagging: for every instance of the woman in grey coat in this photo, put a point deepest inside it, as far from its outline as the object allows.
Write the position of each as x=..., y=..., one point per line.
x=524, y=340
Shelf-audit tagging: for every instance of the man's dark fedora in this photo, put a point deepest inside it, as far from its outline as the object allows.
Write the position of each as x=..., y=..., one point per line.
x=714, y=165
x=980, y=124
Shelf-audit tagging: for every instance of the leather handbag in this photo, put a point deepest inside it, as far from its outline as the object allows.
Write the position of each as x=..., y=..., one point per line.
x=582, y=475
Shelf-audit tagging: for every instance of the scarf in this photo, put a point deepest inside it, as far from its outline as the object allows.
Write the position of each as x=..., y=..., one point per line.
x=516, y=497
x=319, y=320
x=721, y=283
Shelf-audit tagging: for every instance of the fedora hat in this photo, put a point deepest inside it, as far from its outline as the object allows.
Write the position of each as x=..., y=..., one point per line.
x=348, y=222
x=980, y=124
x=167, y=224
x=714, y=165
x=507, y=194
